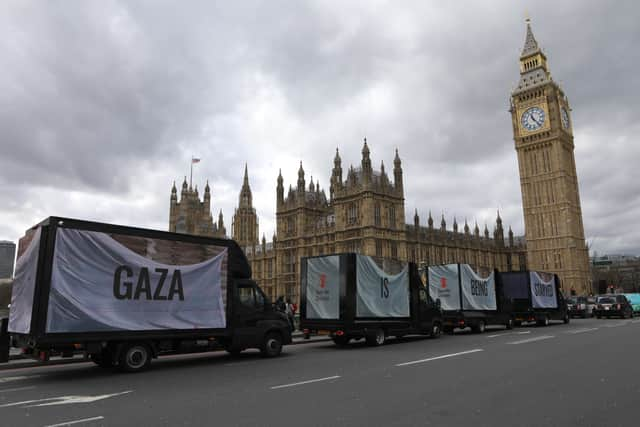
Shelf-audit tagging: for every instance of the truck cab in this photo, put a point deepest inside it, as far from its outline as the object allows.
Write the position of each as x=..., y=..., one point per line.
x=254, y=317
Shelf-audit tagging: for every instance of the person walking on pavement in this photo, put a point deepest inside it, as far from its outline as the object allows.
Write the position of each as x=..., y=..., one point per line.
x=289, y=311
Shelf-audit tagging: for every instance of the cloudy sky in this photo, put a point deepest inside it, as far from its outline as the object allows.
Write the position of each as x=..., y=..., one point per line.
x=104, y=103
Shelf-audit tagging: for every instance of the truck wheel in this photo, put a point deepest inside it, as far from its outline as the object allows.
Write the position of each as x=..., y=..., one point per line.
x=272, y=345
x=544, y=321
x=566, y=319
x=436, y=330
x=479, y=327
x=341, y=341
x=377, y=338
x=134, y=357
x=509, y=324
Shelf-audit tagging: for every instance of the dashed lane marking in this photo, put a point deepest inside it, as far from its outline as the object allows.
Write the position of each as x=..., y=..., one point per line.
x=579, y=331
x=17, y=378
x=543, y=337
x=508, y=333
x=444, y=356
x=69, y=423
x=615, y=325
x=11, y=390
x=305, y=382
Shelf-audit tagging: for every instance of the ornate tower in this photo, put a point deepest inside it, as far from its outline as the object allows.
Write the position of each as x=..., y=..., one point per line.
x=543, y=138
x=245, y=219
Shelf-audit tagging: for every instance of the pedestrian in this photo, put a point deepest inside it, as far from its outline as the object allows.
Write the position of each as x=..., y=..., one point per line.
x=290, y=313
x=281, y=305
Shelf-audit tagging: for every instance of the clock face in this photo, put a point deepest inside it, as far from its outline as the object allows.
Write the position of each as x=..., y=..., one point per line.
x=533, y=118
x=565, y=118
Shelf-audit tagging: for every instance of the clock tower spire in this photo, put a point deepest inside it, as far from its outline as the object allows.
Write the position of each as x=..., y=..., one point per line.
x=544, y=144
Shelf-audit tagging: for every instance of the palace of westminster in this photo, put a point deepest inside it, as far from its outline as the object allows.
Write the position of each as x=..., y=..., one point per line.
x=365, y=210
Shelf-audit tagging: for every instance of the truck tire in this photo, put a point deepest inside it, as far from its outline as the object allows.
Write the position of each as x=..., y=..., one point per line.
x=544, y=321
x=479, y=327
x=134, y=357
x=567, y=319
x=509, y=324
x=377, y=338
x=341, y=340
x=436, y=330
x=272, y=345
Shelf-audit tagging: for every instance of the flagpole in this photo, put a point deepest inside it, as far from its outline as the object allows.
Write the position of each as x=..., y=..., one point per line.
x=191, y=175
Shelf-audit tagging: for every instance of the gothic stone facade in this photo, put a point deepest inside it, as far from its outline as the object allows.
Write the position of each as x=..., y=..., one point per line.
x=190, y=215
x=365, y=213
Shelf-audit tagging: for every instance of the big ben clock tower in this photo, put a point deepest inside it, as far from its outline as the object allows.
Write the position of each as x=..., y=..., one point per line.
x=543, y=135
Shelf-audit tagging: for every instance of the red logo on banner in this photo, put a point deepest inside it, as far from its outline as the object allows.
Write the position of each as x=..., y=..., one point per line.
x=443, y=282
x=323, y=280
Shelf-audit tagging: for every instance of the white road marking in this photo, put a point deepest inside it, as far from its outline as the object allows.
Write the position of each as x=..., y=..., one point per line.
x=305, y=382
x=84, y=420
x=9, y=390
x=615, y=325
x=22, y=377
x=579, y=331
x=444, y=356
x=63, y=400
x=543, y=337
x=508, y=333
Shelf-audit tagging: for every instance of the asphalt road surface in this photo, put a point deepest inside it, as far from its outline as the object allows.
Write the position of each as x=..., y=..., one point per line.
x=586, y=373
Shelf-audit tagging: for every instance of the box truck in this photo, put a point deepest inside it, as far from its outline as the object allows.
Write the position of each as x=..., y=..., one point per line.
x=353, y=296
x=468, y=299
x=125, y=295
x=536, y=296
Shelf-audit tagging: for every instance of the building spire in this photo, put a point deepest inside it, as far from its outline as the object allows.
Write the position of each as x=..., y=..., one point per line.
x=246, y=198
x=530, y=44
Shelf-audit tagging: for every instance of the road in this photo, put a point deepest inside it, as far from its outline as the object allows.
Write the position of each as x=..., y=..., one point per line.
x=586, y=373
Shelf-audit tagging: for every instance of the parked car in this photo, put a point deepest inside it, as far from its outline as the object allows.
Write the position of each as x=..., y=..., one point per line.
x=634, y=299
x=613, y=305
x=581, y=306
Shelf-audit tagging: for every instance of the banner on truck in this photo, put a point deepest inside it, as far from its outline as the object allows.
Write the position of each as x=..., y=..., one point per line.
x=543, y=290
x=24, y=283
x=99, y=284
x=514, y=285
x=443, y=285
x=380, y=293
x=323, y=287
x=478, y=293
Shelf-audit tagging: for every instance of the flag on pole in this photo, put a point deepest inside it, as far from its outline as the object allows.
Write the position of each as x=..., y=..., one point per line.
x=194, y=160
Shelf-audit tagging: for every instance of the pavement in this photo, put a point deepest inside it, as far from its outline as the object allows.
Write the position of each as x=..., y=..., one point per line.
x=586, y=373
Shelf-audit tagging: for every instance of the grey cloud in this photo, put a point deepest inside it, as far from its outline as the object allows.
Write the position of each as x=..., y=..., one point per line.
x=105, y=102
